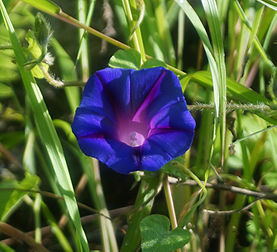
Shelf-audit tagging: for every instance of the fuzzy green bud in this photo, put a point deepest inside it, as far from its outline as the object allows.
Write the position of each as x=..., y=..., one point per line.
x=43, y=31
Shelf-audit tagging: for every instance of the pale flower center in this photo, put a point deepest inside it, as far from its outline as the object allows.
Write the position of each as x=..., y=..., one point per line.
x=134, y=139
x=132, y=133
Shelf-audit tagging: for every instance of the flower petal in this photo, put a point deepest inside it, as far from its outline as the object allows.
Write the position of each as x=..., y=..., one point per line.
x=116, y=155
x=143, y=81
x=88, y=123
x=163, y=146
x=171, y=135
x=116, y=85
x=153, y=156
x=165, y=91
x=95, y=99
x=175, y=116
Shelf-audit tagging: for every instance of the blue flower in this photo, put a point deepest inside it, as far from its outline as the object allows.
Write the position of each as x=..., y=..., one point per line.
x=133, y=120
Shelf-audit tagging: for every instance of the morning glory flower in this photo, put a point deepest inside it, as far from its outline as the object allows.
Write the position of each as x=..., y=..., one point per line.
x=133, y=120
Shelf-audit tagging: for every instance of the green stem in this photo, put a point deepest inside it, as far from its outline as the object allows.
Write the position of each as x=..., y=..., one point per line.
x=169, y=202
x=141, y=7
x=130, y=21
x=50, y=79
x=170, y=205
x=253, y=134
x=82, y=9
x=55, y=228
x=195, y=178
x=107, y=232
x=68, y=19
x=6, y=47
x=256, y=41
x=36, y=207
x=181, y=35
x=136, y=34
x=149, y=187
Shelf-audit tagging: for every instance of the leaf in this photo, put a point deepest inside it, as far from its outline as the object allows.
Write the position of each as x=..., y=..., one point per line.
x=215, y=62
x=11, y=139
x=35, y=51
x=153, y=63
x=238, y=91
x=129, y=58
x=256, y=41
x=44, y=5
x=269, y=3
x=235, y=91
x=149, y=188
x=5, y=248
x=153, y=43
x=68, y=72
x=172, y=170
x=42, y=31
x=5, y=91
x=11, y=198
x=161, y=22
x=157, y=237
x=219, y=87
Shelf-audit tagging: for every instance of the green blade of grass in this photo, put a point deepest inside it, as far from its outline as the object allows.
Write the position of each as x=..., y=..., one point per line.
x=5, y=248
x=47, y=132
x=92, y=171
x=216, y=61
x=51, y=178
x=172, y=13
x=269, y=3
x=235, y=91
x=223, y=8
x=181, y=35
x=256, y=41
x=83, y=35
x=68, y=73
x=163, y=29
x=217, y=39
x=151, y=38
x=10, y=199
x=45, y=5
x=55, y=228
x=149, y=187
x=195, y=20
x=238, y=91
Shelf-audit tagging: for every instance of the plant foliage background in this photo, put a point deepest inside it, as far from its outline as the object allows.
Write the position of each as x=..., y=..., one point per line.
x=220, y=196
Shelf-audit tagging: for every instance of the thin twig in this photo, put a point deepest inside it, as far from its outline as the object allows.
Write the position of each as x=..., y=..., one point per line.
x=243, y=209
x=216, y=173
x=53, y=196
x=70, y=20
x=231, y=107
x=255, y=133
x=86, y=219
x=9, y=156
x=234, y=189
x=19, y=235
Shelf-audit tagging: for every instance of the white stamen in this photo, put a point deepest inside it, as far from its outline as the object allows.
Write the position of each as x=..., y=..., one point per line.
x=135, y=139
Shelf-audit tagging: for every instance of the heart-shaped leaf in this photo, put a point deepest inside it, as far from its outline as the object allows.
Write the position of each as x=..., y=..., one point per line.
x=153, y=63
x=10, y=199
x=129, y=58
x=173, y=170
x=157, y=237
